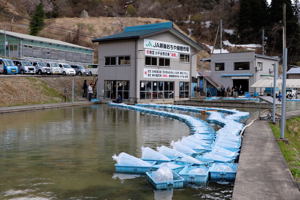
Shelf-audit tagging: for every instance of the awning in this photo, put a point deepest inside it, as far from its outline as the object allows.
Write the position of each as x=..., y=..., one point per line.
x=268, y=83
x=237, y=75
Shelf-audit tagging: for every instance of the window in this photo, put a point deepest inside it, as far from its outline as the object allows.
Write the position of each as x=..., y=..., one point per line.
x=219, y=66
x=114, y=89
x=184, y=89
x=110, y=61
x=150, y=61
x=164, y=61
x=241, y=66
x=259, y=66
x=184, y=58
x=124, y=60
x=156, y=90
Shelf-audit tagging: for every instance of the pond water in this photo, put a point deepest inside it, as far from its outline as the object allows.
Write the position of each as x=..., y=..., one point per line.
x=67, y=154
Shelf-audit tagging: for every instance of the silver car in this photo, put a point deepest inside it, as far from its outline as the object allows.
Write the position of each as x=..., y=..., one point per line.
x=80, y=70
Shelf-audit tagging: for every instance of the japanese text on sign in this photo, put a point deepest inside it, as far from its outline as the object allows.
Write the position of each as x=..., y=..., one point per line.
x=164, y=54
x=159, y=45
x=166, y=74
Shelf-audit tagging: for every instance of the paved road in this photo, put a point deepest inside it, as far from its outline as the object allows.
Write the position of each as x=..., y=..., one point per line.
x=263, y=172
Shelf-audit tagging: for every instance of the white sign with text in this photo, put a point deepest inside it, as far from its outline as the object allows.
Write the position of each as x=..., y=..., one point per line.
x=163, y=54
x=166, y=46
x=166, y=74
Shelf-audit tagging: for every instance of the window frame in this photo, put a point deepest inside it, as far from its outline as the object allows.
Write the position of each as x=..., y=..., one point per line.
x=222, y=67
x=185, y=59
x=240, y=68
x=184, y=89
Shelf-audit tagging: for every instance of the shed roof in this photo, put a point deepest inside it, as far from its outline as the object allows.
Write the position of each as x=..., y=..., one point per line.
x=143, y=31
x=294, y=70
x=268, y=83
x=41, y=39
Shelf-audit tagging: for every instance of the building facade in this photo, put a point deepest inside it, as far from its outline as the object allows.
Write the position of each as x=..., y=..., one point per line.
x=294, y=73
x=32, y=47
x=146, y=63
x=241, y=70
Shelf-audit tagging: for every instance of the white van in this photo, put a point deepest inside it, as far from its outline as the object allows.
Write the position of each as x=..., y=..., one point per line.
x=92, y=69
x=54, y=68
x=66, y=69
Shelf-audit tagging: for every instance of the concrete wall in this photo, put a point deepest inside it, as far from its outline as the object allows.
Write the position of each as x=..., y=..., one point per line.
x=124, y=73
x=175, y=63
x=134, y=73
x=230, y=58
x=293, y=76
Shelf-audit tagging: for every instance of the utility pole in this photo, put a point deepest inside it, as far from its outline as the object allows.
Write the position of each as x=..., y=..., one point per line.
x=263, y=41
x=221, y=35
x=274, y=93
x=284, y=66
x=4, y=42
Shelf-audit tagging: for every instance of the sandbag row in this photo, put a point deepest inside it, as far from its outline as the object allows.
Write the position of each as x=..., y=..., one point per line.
x=206, y=154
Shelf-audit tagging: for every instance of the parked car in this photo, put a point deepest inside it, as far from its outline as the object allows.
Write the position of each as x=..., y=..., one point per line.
x=25, y=67
x=41, y=68
x=7, y=66
x=92, y=69
x=54, y=68
x=67, y=69
x=80, y=70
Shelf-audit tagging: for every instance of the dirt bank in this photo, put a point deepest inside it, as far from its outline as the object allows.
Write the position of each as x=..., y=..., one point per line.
x=39, y=90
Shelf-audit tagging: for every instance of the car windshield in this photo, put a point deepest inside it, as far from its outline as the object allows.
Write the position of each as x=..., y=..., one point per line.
x=26, y=63
x=53, y=65
x=67, y=66
x=80, y=67
x=42, y=64
x=9, y=62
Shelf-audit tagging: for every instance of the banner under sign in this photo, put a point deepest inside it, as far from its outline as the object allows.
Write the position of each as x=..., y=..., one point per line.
x=167, y=46
x=166, y=74
x=158, y=53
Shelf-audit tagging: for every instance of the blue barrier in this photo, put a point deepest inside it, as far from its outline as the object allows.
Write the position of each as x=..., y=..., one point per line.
x=205, y=147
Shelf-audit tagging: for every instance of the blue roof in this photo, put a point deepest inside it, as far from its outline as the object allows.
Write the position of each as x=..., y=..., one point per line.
x=141, y=31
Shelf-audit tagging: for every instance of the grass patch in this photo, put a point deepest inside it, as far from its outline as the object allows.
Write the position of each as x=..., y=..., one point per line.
x=290, y=149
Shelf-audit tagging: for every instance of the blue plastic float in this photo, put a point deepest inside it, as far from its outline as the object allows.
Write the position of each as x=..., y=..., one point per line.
x=195, y=175
x=205, y=151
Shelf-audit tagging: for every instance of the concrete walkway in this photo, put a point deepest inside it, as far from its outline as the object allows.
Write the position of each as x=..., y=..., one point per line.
x=263, y=172
x=41, y=106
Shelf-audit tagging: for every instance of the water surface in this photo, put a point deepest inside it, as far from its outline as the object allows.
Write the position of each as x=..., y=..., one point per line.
x=66, y=154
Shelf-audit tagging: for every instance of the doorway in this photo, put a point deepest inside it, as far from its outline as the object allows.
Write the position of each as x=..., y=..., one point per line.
x=114, y=89
x=242, y=85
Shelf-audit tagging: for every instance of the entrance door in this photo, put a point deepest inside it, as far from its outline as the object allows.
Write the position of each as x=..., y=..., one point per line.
x=242, y=85
x=115, y=89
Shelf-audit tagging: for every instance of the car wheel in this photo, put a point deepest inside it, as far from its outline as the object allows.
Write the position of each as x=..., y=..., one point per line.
x=79, y=73
x=5, y=71
x=22, y=72
x=64, y=73
x=39, y=72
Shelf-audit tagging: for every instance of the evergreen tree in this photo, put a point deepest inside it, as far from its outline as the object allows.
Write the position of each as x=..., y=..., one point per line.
x=293, y=32
x=252, y=18
x=37, y=20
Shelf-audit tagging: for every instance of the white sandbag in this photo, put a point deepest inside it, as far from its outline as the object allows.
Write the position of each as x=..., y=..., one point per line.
x=129, y=160
x=150, y=154
x=163, y=174
x=182, y=148
x=170, y=153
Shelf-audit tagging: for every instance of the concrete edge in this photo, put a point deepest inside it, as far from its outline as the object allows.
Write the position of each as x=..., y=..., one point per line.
x=4, y=110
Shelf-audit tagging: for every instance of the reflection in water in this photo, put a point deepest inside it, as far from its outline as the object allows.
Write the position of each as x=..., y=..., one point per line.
x=66, y=154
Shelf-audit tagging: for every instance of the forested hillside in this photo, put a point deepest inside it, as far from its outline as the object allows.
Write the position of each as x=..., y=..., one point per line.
x=78, y=21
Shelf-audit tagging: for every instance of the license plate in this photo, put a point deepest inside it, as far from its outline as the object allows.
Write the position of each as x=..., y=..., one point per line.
x=13, y=70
